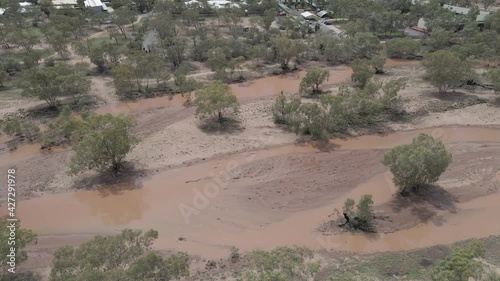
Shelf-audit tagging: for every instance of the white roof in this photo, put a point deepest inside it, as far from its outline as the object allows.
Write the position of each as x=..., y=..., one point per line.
x=25, y=4
x=2, y=10
x=217, y=3
x=64, y=2
x=307, y=14
x=93, y=3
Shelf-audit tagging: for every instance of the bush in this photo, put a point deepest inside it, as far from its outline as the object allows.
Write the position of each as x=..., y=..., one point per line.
x=282, y=263
x=283, y=110
x=362, y=72
x=461, y=264
x=418, y=164
x=402, y=48
x=359, y=216
x=49, y=62
x=337, y=113
x=17, y=126
x=60, y=130
x=313, y=79
x=446, y=70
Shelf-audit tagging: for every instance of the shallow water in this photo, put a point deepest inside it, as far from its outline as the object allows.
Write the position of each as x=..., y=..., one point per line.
x=214, y=224
x=258, y=88
x=25, y=152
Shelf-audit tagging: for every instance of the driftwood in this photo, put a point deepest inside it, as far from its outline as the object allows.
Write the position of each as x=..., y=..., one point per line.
x=472, y=82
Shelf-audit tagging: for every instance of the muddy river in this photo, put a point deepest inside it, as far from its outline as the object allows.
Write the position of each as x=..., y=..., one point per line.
x=187, y=202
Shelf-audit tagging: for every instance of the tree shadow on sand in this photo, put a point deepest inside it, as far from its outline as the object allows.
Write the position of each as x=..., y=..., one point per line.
x=426, y=202
x=112, y=183
x=227, y=125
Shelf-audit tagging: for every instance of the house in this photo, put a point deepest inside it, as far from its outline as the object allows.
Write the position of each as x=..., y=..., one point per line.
x=323, y=14
x=464, y=11
x=96, y=5
x=480, y=19
x=22, y=8
x=309, y=16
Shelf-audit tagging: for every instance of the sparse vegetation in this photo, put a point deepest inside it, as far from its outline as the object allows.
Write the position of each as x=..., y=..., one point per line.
x=12, y=258
x=282, y=263
x=124, y=256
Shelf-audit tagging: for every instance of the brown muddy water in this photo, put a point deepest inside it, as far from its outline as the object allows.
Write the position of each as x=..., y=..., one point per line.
x=263, y=87
x=186, y=202
x=25, y=152
x=259, y=88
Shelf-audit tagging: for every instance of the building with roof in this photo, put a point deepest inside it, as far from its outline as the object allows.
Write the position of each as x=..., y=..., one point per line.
x=323, y=14
x=2, y=11
x=464, y=11
x=309, y=16
x=97, y=6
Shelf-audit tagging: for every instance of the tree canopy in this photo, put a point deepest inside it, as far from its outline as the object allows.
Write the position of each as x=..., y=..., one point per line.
x=215, y=99
x=418, y=164
x=126, y=256
x=101, y=142
x=51, y=83
x=446, y=70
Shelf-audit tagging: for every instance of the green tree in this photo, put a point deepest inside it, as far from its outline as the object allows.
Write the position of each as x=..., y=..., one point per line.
x=284, y=109
x=418, y=164
x=3, y=76
x=362, y=72
x=215, y=99
x=440, y=38
x=26, y=39
x=402, y=48
x=20, y=127
x=218, y=62
x=125, y=256
x=461, y=264
x=101, y=143
x=378, y=62
x=23, y=237
x=51, y=83
x=286, y=49
x=281, y=264
x=313, y=79
x=123, y=75
x=363, y=45
x=446, y=69
x=122, y=17
x=493, y=76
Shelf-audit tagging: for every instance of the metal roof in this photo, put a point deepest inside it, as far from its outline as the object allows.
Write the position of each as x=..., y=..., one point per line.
x=322, y=13
x=464, y=11
x=93, y=3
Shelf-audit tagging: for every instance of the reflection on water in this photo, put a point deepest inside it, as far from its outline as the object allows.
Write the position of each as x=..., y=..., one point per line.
x=115, y=205
x=214, y=225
